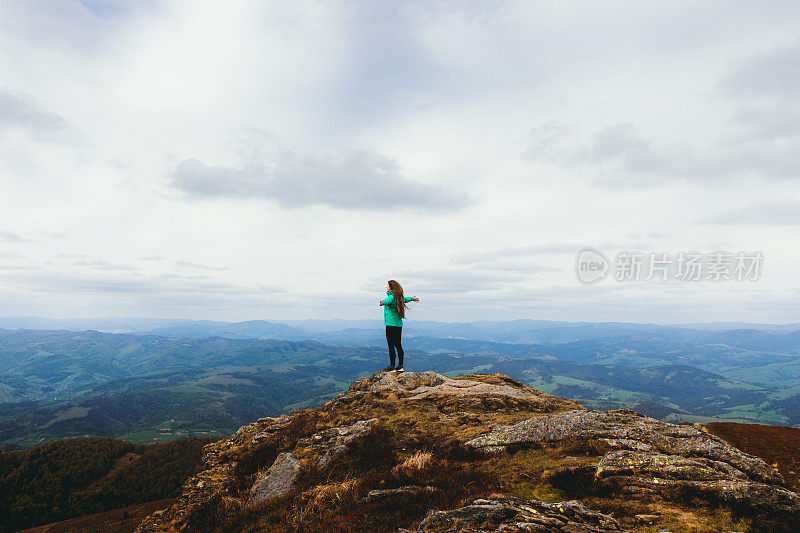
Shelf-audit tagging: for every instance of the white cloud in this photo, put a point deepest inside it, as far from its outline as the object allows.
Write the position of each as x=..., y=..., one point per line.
x=25, y=114
x=191, y=264
x=770, y=74
x=50, y=281
x=18, y=267
x=10, y=236
x=449, y=280
x=778, y=214
x=627, y=158
x=101, y=264
x=359, y=180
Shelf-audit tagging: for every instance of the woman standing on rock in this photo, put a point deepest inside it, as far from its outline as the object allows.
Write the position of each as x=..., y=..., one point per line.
x=394, y=311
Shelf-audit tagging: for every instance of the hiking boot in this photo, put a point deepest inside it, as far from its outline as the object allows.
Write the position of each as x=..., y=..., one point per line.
x=389, y=368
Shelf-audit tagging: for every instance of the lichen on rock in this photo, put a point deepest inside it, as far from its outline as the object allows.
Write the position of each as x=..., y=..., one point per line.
x=516, y=515
x=654, y=457
x=334, y=442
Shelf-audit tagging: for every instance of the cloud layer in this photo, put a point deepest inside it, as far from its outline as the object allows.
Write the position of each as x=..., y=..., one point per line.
x=251, y=159
x=760, y=137
x=359, y=180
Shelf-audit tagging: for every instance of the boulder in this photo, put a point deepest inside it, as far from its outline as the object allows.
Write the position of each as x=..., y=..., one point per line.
x=277, y=481
x=334, y=442
x=511, y=515
x=407, y=490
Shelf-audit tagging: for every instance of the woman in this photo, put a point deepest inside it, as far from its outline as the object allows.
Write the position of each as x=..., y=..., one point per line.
x=394, y=311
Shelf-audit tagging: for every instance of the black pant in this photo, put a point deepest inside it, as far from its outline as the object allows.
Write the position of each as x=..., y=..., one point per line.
x=393, y=339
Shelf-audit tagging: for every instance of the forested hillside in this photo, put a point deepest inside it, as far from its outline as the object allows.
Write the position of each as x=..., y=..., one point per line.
x=79, y=476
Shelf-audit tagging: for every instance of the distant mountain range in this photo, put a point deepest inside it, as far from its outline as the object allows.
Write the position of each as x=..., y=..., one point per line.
x=161, y=387
x=336, y=331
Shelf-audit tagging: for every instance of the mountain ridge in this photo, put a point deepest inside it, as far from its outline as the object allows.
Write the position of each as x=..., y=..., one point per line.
x=420, y=451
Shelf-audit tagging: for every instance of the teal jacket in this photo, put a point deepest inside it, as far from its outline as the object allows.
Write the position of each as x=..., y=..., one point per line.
x=390, y=316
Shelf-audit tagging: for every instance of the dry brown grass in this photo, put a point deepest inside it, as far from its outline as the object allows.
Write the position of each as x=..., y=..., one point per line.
x=418, y=461
x=778, y=446
x=324, y=497
x=698, y=518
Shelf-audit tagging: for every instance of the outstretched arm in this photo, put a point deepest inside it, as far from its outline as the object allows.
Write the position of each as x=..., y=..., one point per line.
x=411, y=299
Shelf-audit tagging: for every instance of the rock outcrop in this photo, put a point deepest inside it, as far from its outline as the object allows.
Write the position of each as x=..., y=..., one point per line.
x=449, y=393
x=626, y=430
x=426, y=452
x=648, y=456
x=511, y=515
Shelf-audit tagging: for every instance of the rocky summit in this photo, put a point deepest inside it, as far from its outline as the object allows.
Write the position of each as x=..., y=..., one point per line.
x=423, y=452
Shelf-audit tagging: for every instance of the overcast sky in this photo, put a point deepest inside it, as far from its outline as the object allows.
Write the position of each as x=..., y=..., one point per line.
x=278, y=160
